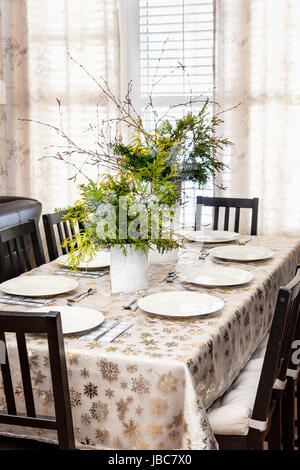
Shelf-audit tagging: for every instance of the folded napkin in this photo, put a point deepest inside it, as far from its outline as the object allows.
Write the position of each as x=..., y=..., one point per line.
x=88, y=274
x=112, y=333
x=22, y=300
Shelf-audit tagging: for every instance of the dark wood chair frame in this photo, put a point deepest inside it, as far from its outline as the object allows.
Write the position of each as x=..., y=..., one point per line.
x=14, y=256
x=37, y=323
x=291, y=396
x=267, y=411
x=237, y=203
x=65, y=231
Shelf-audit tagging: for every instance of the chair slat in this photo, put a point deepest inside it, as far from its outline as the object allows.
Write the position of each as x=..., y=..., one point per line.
x=65, y=230
x=237, y=220
x=226, y=220
x=17, y=255
x=7, y=382
x=61, y=238
x=216, y=218
x=25, y=371
x=27, y=259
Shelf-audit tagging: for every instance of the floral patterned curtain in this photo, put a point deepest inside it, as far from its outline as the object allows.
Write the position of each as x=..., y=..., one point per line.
x=37, y=70
x=258, y=65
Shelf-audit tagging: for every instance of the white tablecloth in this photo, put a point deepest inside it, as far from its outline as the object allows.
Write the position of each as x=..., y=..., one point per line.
x=150, y=388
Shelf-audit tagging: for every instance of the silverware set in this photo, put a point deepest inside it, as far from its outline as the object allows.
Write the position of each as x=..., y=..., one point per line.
x=169, y=276
x=108, y=331
x=25, y=301
x=114, y=325
x=83, y=295
x=203, y=254
x=131, y=304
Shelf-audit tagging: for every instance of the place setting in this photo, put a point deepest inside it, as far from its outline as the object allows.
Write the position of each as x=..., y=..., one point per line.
x=35, y=290
x=210, y=236
x=93, y=268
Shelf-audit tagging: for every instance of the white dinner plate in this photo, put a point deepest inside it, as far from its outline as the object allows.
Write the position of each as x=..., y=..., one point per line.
x=211, y=236
x=241, y=253
x=75, y=319
x=217, y=276
x=39, y=286
x=180, y=304
x=101, y=260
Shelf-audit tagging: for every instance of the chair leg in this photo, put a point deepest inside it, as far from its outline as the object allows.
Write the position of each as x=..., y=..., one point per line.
x=274, y=436
x=298, y=414
x=288, y=416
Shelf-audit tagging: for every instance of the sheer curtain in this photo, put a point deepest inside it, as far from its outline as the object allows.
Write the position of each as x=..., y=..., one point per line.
x=36, y=38
x=258, y=65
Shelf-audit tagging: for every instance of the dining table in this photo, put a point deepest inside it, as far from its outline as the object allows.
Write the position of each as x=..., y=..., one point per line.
x=150, y=388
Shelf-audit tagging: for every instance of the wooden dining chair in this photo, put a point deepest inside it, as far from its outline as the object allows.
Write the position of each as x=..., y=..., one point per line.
x=251, y=410
x=57, y=231
x=20, y=249
x=228, y=203
x=291, y=398
x=37, y=323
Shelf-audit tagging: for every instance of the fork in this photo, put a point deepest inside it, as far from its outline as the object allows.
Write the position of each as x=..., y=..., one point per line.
x=77, y=298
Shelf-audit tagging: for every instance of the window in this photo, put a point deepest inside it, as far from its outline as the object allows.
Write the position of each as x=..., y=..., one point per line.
x=88, y=30
x=172, y=34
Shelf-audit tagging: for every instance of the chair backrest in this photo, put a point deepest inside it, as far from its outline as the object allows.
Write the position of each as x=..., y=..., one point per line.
x=279, y=347
x=37, y=323
x=227, y=203
x=65, y=231
x=20, y=249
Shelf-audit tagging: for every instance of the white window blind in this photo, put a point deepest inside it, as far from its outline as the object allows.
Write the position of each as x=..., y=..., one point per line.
x=174, y=34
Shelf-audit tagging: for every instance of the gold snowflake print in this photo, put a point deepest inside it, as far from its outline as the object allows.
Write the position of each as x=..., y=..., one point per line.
x=167, y=383
x=122, y=408
x=101, y=434
x=155, y=430
x=86, y=419
x=140, y=385
x=73, y=358
x=158, y=406
x=75, y=397
x=38, y=378
x=139, y=410
x=124, y=385
x=109, y=370
x=131, y=428
x=84, y=373
x=109, y=393
x=99, y=411
x=91, y=390
x=34, y=360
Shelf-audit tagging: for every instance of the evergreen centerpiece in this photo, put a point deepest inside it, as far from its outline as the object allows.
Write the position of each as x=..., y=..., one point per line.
x=131, y=209
x=128, y=212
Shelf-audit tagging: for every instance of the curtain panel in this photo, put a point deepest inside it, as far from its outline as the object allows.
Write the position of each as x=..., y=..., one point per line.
x=258, y=65
x=36, y=38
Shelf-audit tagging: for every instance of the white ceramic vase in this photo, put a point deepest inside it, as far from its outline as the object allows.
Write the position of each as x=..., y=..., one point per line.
x=128, y=272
